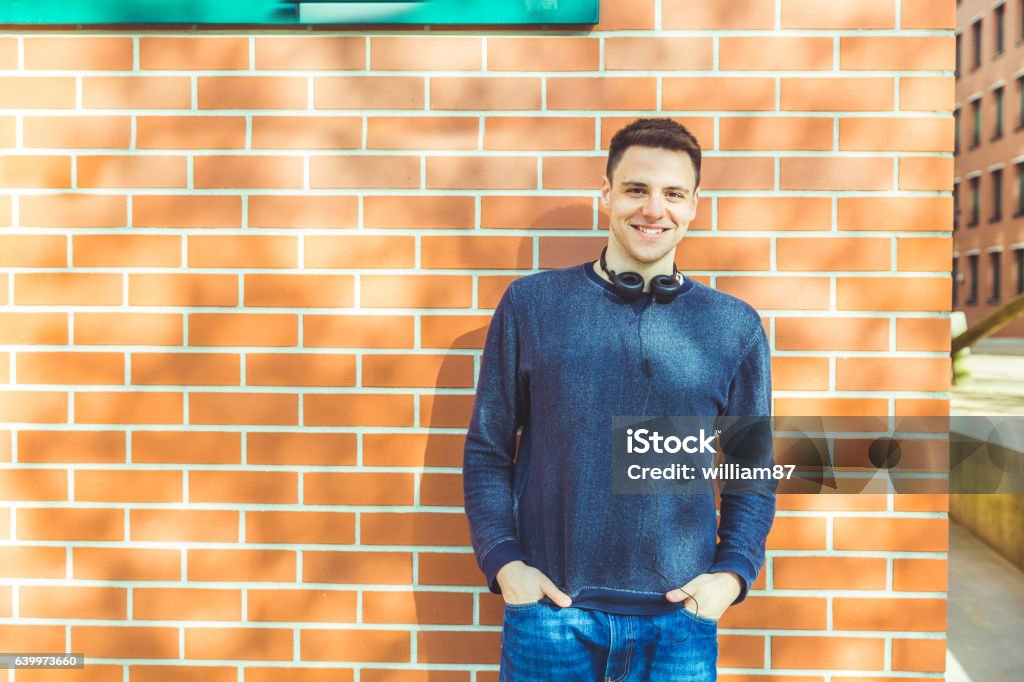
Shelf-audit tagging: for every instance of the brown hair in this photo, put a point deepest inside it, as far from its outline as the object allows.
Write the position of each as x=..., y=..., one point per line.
x=661, y=133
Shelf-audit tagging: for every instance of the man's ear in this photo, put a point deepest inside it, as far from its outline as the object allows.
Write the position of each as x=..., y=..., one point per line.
x=606, y=188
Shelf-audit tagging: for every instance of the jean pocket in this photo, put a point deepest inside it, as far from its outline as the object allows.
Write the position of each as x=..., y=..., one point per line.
x=703, y=620
x=522, y=607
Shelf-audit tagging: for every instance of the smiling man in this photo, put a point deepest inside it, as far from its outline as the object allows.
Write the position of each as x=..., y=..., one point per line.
x=600, y=586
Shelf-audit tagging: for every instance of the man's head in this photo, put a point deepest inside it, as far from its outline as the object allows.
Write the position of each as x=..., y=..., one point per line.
x=650, y=190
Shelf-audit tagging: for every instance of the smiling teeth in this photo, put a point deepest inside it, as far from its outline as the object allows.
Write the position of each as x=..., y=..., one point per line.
x=648, y=231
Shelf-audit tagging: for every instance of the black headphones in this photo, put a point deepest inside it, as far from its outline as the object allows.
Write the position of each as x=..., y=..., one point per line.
x=630, y=285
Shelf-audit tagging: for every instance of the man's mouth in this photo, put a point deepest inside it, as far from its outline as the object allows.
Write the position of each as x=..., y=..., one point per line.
x=652, y=230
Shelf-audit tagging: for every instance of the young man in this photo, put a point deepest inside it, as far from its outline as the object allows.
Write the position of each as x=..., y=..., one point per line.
x=600, y=586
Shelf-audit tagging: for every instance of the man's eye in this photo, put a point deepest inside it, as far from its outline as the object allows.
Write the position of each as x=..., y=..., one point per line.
x=634, y=190
x=675, y=196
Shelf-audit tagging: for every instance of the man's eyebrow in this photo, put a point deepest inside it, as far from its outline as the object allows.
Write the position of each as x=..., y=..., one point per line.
x=637, y=183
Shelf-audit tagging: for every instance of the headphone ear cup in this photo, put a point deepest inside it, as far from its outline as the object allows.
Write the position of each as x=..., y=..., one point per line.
x=665, y=288
x=629, y=285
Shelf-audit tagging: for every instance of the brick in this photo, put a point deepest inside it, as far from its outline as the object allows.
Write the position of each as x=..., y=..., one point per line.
x=476, y=252
x=815, y=254
x=190, y=132
x=878, y=14
x=837, y=94
x=37, y=92
x=836, y=173
x=490, y=290
x=831, y=502
x=72, y=210
x=418, y=371
x=235, y=251
x=291, y=369
x=926, y=173
x=132, y=171
x=8, y=133
x=924, y=254
x=731, y=173
x=182, y=290
x=357, y=331
x=136, y=92
x=9, y=53
x=205, y=447
x=442, y=490
x=892, y=374
x=251, y=92
x=125, y=251
x=891, y=535
x=927, y=94
x=774, y=213
x=243, y=487
x=117, y=485
x=239, y=408
x=42, y=407
x=76, y=132
x=919, y=655
x=357, y=252
x=126, y=641
x=378, y=568
x=565, y=252
x=32, y=638
x=654, y=54
x=902, y=134
x=800, y=613
x=308, y=606
x=828, y=407
x=219, y=53
x=445, y=411
x=154, y=673
x=535, y=212
x=430, y=53
x=186, y=603
x=923, y=14
x=398, y=212
x=299, y=291
x=242, y=330
x=307, y=53
x=184, y=525
x=67, y=288
x=300, y=527
x=890, y=214
x=920, y=575
x=900, y=53
x=66, y=601
x=800, y=374
x=33, y=251
x=922, y=407
x=307, y=132
x=355, y=645
x=416, y=291
x=105, y=53
x=358, y=410
x=117, y=563
x=272, y=172
x=512, y=133
x=915, y=615
x=573, y=172
x=893, y=293
x=186, y=369
x=489, y=94
x=357, y=488
x=419, y=528
x=82, y=523
x=33, y=562
x=718, y=94
x=336, y=449
x=923, y=334
x=71, y=446
x=254, y=673
x=768, y=134
x=433, y=608
x=637, y=15
x=546, y=54
x=725, y=253
x=128, y=329
x=744, y=14
x=481, y=172
x=317, y=212
x=832, y=333
x=439, y=646
x=50, y=172
x=34, y=484
x=364, y=172
x=783, y=293
x=828, y=573
x=774, y=54
x=369, y=92
x=58, y=367
x=186, y=211
x=128, y=407
x=838, y=653
x=789, y=532
x=250, y=565
x=421, y=132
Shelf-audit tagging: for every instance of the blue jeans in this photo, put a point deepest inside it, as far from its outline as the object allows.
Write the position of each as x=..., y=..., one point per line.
x=540, y=642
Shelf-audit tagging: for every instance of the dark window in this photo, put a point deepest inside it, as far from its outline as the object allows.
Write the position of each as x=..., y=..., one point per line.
x=1018, y=255
x=1000, y=29
x=1020, y=190
x=972, y=277
x=1020, y=19
x=1020, y=103
x=956, y=73
x=975, y=201
x=998, y=128
x=995, y=260
x=956, y=205
x=956, y=131
x=956, y=284
x=997, y=196
x=976, y=116
x=976, y=34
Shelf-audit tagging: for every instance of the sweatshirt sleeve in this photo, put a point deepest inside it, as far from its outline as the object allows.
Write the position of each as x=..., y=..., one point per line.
x=747, y=511
x=488, y=458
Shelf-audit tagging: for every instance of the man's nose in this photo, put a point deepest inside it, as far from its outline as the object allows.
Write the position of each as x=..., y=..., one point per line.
x=653, y=206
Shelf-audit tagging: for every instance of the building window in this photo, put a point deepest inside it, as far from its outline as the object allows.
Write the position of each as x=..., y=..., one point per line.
x=976, y=34
x=956, y=72
x=972, y=277
x=956, y=131
x=995, y=260
x=1020, y=190
x=1020, y=19
x=1018, y=255
x=1000, y=28
x=1020, y=103
x=975, y=201
x=956, y=284
x=956, y=205
x=976, y=120
x=998, y=128
x=997, y=196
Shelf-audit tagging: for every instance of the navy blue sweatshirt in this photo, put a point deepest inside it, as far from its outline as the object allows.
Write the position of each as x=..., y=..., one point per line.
x=564, y=354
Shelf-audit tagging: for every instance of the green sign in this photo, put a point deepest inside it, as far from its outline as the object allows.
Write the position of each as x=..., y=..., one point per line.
x=279, y=12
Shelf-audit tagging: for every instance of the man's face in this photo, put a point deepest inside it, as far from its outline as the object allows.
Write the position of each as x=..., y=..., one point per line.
x=651, y=201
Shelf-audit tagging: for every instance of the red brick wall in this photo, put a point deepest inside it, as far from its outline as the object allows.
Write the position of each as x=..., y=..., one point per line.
x=246, y=280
